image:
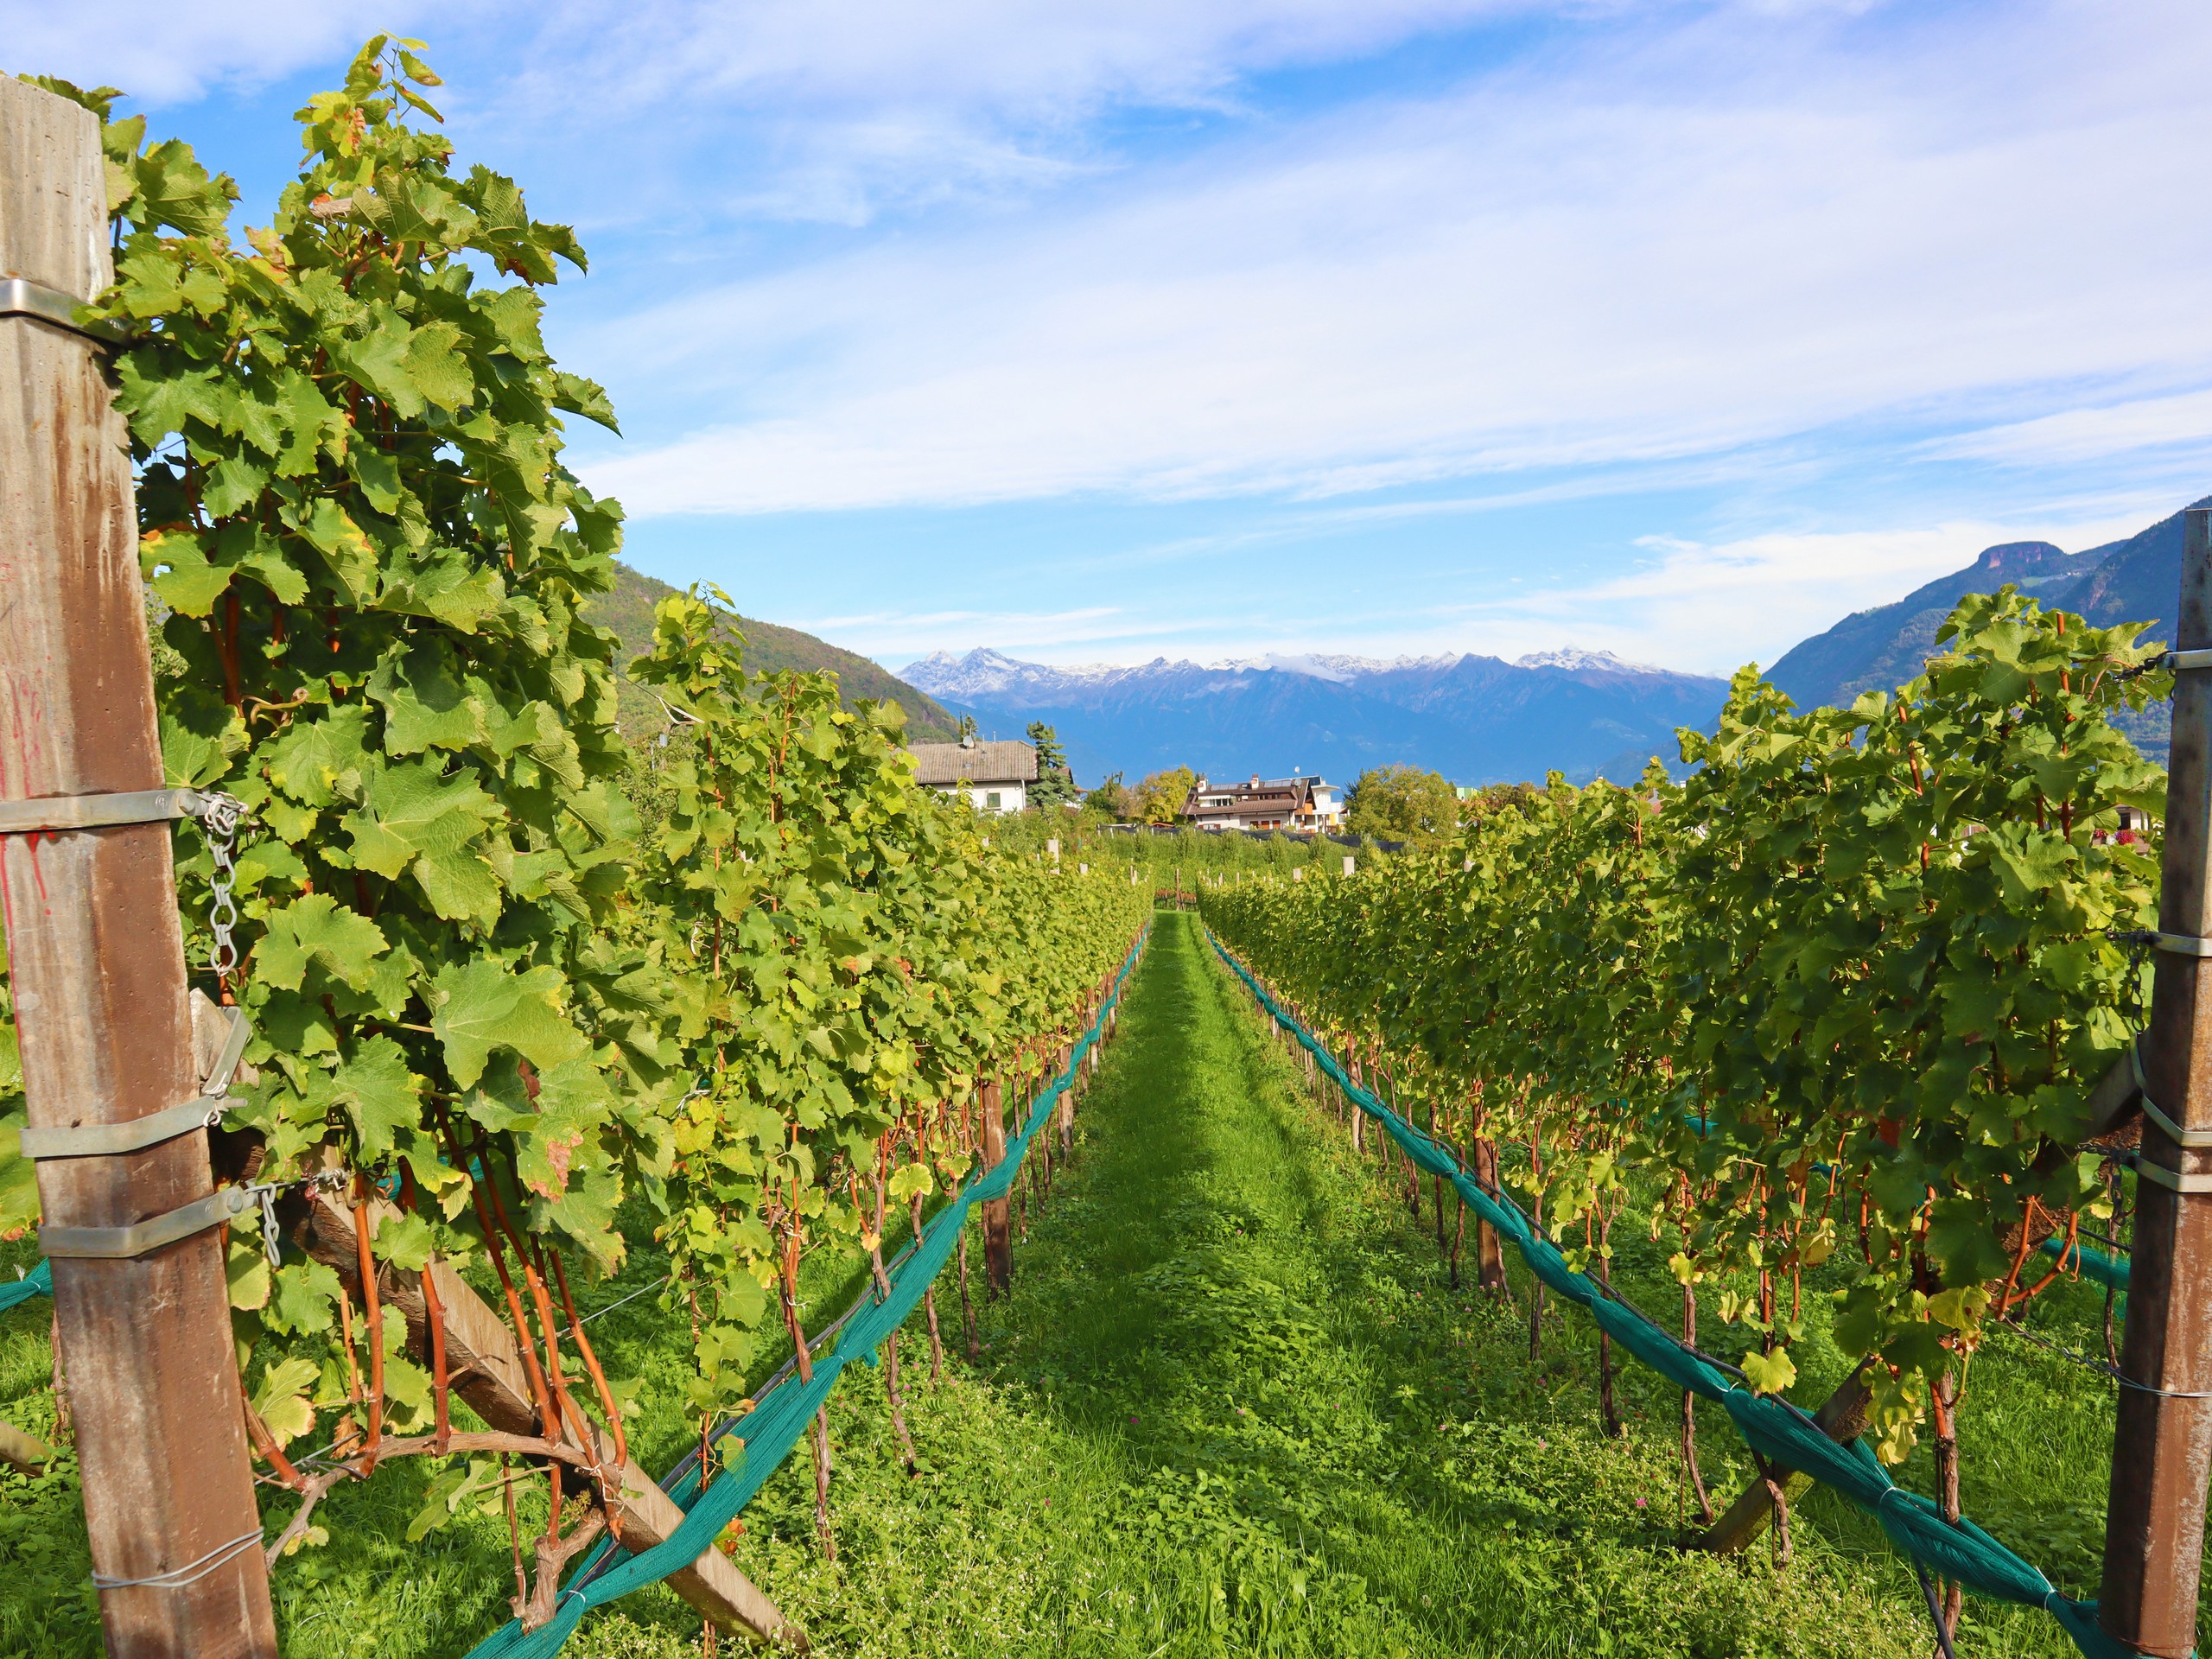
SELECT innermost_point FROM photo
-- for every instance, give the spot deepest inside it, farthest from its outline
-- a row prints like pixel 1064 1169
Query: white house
pixel 1295 803
pixel 994 776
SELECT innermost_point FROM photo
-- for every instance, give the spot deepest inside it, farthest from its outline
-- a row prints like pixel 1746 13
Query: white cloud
pixel 165 53
pixel 2079 435
pixel 1710 608
pixel 897 636
pixel 1693 607
pixel 1046 57
pixel 1591 265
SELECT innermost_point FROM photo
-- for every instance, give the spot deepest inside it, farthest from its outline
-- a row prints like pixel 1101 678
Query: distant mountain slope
pixel 768 648
pixel 2138 580
pixel 1880 648
pixel 2135 581
pixel 1475 719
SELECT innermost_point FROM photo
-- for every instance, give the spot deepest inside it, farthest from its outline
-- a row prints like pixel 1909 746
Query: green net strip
pixel 39 1281
pixel 1779 1432
pixel 764 1437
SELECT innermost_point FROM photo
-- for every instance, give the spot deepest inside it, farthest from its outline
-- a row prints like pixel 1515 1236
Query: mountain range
pixel 1483 720
pixel 1475 719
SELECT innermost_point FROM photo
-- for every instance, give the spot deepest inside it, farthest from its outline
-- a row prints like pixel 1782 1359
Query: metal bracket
pixel 205 1112
pixel 22 297
pixel 2193 1139
pixel 2180 660
pixel 118 1243
pixel 109 1140
pixel 57 812
pixel 2183 945
pixel 2172 1181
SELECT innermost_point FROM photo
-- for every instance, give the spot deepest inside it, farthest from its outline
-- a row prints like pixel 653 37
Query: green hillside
pixel 629 611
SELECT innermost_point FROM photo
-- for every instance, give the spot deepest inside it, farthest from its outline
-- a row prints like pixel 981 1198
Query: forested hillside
pixel 769 648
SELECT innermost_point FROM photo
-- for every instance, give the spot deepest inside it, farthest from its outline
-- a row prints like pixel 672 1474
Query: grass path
pixel 1232 1407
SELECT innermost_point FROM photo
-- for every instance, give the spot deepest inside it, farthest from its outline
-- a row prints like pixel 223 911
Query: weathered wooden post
pixel 2162 1448
pixel 97 953
pixel 1064 1116
pixel 998 1241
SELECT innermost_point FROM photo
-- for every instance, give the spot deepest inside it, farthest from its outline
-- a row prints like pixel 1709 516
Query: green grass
pixel 1233 1406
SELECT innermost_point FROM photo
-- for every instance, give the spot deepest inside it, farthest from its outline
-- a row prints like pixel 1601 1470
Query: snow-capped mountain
pixel 983 674
pixel 1475 719
pixel 1598 662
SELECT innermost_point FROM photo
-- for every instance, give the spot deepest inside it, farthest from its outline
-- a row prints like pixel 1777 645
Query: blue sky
pixel 1099 329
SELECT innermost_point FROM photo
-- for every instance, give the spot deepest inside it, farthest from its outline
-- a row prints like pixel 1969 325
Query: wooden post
pixel 1066 1115
pixel 95 948
pixel 998 1238
pixel 1842 1417
pixel 2162 1447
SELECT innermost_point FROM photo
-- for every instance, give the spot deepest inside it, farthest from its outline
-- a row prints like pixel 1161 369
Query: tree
pixel 1055 785
pixel 1402 803
pixel 1161 797
pixel 1494 798
pixel 1113 796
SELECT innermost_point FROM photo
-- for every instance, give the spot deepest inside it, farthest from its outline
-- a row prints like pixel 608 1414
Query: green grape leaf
pixel 479 1006
pixel 281 1399
pixel 406 1241
pixel 317 931
pixel 375 1089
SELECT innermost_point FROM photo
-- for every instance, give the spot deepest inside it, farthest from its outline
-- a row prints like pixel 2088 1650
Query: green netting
pixel 39 1281
pixel 1778 1431
pixel 764 1437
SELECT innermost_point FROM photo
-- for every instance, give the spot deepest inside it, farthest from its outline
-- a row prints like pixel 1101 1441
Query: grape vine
pixel 1843 993
pixel 502 1016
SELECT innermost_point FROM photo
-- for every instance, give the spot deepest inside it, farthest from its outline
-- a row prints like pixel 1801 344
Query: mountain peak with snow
pixel 1475 718
pixel 983 674
pixel 1603 662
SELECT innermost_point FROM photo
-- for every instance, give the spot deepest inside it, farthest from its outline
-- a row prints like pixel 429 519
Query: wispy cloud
pixel 2078 435
pixel 862 263
pixel 168 54
pixel 1590 266
pixel 1712 606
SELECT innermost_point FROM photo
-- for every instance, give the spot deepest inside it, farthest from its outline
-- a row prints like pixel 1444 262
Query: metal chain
pixel 221 816
pixel 271 1244
pixel 2151 664
pixel 2140 942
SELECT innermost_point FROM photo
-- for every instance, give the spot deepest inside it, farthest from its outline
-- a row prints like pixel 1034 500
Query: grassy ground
pixel 1233 1407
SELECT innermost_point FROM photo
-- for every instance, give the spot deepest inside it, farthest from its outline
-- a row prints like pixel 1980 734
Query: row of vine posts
pixel 2157 1092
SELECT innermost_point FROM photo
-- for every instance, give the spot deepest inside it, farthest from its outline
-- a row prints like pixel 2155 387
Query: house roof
pixel 1007 761
pixel 1291 795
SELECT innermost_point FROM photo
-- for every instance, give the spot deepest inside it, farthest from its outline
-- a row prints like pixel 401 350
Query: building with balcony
pixel 1302 805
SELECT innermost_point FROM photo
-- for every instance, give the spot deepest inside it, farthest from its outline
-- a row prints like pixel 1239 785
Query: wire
pixel 177 1577
pixel 2111 1373
pixel 647 1291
